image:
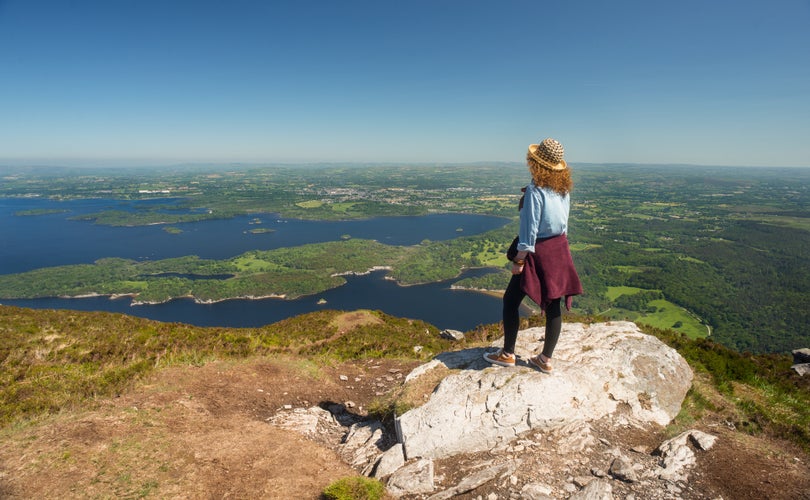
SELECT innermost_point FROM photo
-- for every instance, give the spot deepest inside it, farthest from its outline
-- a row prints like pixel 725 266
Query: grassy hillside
pixel 58 360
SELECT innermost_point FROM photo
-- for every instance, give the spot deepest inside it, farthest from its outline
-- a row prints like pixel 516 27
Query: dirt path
pixel 190 432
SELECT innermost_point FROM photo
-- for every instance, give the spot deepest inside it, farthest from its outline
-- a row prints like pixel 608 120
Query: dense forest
pixel 730 245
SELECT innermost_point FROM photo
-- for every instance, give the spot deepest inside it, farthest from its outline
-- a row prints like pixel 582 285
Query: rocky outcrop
pixel 599 370
pixel 677 455
pixel 544 436
pixel 801 361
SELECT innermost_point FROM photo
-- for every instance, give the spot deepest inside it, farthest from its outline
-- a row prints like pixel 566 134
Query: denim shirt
pixel 544 214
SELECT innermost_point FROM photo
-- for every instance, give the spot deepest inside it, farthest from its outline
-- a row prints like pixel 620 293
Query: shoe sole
pixel 537 365
pixel 496 362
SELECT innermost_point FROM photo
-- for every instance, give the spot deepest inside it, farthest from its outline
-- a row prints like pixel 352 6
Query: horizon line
pixel 116 164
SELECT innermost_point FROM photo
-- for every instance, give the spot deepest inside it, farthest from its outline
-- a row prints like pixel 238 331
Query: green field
pixel 666 315
pixel 614 292
pixel 672 316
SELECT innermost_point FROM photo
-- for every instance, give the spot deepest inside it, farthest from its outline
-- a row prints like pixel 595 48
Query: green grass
pixel 580 247
pixel 628 269
pixel 669 315
pixel 614 292
pixel 342 208
pixel 56 360
pixel 355 488
pixel 802 223
pixel 252 264
pixel 766 394
pixel 310 204
pixel 666 315
pixel 691 259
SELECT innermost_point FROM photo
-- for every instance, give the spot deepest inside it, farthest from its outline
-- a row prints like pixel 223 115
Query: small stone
pixel 597 489
pixel 412 479
pixel 622 469
pixel 417 349
pixel 802 369
pixel 452 335
pixel 349 404
pixel 533 491
pixel 801 356
pixel 702 440
pixel 344 378
pixel 390 461
pixel 583 481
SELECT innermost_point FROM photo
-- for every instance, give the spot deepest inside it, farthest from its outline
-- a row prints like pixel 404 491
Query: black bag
pixel 511 253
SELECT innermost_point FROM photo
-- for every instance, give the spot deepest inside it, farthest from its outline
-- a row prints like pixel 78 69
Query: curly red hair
pixel 556 180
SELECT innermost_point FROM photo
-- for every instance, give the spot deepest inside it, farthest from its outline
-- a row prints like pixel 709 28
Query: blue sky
pixel 146 81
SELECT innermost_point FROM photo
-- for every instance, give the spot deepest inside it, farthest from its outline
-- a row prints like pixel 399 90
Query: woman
pixel 542 268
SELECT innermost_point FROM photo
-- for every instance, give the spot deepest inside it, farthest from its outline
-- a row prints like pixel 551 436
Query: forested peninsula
pixel 283 273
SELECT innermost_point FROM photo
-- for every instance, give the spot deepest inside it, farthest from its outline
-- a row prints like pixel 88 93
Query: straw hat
pixel 548 154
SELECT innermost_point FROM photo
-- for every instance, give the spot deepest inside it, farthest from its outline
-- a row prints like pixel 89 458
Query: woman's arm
pixel 530 216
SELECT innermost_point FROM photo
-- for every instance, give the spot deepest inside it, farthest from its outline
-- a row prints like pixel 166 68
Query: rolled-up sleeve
pixel 530 216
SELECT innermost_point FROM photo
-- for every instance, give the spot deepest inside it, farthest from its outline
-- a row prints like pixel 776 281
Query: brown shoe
pixel 500 358
pixel 543 366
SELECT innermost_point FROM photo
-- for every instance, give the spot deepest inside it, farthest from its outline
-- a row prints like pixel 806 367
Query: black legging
pixel 512 298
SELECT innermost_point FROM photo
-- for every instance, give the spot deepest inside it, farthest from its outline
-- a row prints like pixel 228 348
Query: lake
pixel 435 303
pixel 31 242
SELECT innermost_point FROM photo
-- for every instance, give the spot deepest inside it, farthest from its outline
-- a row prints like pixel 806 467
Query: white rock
pixel 412 479
pixel 390 461
pixel 536 491
pixel 676 455
pixel 598 368
pixel 452 334
pixel 702 440
pixel 622 469
pixel 362 444
pixel 306 421
pixel 599 489
pixel 802 369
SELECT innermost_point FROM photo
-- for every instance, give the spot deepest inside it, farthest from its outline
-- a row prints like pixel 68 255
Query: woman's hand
pixel 519 262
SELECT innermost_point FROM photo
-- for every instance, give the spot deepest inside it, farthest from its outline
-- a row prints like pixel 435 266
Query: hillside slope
pixel 108 405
